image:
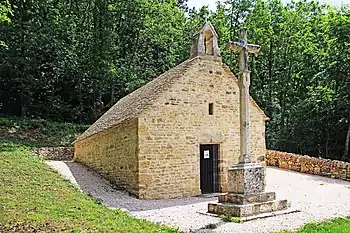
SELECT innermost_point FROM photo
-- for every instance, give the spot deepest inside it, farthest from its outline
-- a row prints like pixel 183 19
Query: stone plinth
pixel 246 178
pixel 246 193
pixel 248 198
pixel 246 210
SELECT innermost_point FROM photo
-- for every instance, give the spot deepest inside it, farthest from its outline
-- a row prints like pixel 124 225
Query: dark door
pixel 209 168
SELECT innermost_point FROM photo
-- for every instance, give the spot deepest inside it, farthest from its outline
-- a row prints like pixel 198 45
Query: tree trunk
pixel 80 99
pixel 270 70
pixel 347 141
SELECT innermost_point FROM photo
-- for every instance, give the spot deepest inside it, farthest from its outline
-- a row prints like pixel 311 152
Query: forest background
pixel 71 60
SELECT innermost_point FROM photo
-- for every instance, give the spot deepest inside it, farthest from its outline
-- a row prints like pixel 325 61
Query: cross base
pixel 243 199
pixel 246 193
pixel 245 210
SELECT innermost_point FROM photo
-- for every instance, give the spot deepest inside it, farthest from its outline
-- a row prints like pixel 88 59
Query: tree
pixel 71 60
pixel 5 10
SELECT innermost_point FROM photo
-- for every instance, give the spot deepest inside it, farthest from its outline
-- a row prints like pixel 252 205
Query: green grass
pixel 39 133
pixel 34 197
pixel 338 225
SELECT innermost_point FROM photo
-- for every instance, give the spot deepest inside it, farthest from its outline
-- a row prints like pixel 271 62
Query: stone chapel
pixel 177 135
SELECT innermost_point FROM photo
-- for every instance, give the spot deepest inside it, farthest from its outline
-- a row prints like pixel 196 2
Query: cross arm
pixel 238 46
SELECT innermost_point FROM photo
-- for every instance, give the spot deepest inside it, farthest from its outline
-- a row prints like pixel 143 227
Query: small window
pixel 211 109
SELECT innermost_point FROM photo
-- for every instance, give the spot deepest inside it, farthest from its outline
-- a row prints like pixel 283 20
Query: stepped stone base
pixel 246 193
pixel 247 198
pixel 245 210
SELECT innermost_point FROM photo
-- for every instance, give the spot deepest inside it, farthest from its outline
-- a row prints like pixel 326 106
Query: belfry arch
pixel 206 42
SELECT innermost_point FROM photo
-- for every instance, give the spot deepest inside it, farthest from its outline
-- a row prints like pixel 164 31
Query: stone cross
pixel 244 82
pixel 246 194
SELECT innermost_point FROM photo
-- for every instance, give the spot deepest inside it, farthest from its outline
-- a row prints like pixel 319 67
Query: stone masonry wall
pixel 311 165
pixel 113 154
pixel 55 153
pixel 172 129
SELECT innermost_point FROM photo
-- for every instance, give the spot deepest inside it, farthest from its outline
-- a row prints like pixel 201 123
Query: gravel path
pixel 100 189
pixel 317 197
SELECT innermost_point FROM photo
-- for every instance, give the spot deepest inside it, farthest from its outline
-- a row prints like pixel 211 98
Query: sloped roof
pixel 133 104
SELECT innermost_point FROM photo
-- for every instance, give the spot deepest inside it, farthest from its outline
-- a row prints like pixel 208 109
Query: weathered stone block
pixel 246 178
pixel 284 165
pixel 248 198
pixel 238 210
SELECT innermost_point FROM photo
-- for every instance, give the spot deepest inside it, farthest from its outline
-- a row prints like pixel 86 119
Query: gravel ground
pixel 317 197
pixel 100 189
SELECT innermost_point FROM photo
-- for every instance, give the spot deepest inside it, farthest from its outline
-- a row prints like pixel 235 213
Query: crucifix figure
pixel 244 82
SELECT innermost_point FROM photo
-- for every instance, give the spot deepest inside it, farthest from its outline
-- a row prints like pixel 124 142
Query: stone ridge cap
pixel 131 105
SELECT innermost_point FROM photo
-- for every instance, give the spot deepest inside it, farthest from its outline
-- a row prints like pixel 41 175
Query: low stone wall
pixel 55 153
pixel 311 165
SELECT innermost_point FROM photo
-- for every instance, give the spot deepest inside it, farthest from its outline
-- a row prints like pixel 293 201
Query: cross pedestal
pixel 246 178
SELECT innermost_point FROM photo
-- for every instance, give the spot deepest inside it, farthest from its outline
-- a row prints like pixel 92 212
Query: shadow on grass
pixel 39 133
pixel 7 145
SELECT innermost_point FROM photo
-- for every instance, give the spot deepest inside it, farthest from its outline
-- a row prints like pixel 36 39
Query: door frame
pixel 216 171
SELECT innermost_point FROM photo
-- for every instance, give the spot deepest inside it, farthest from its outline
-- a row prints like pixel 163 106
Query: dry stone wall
pixel 311 165
pixel 55 153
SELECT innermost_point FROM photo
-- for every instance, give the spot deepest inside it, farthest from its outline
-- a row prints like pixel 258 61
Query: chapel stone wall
pixel 113 154
pixel 172 129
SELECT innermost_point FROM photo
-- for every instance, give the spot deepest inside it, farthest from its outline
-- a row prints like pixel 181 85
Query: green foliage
pixel 37 199
pixel 236 220
pixel 300 78
pixel 39 133
pixel 72 60
pixel 4 11
pixel 339 225
pixel 229 218
pixel 225 217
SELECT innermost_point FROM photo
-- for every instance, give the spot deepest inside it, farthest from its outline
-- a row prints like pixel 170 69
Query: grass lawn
pixel 34 198
pixel 39 133
pixel 339 225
